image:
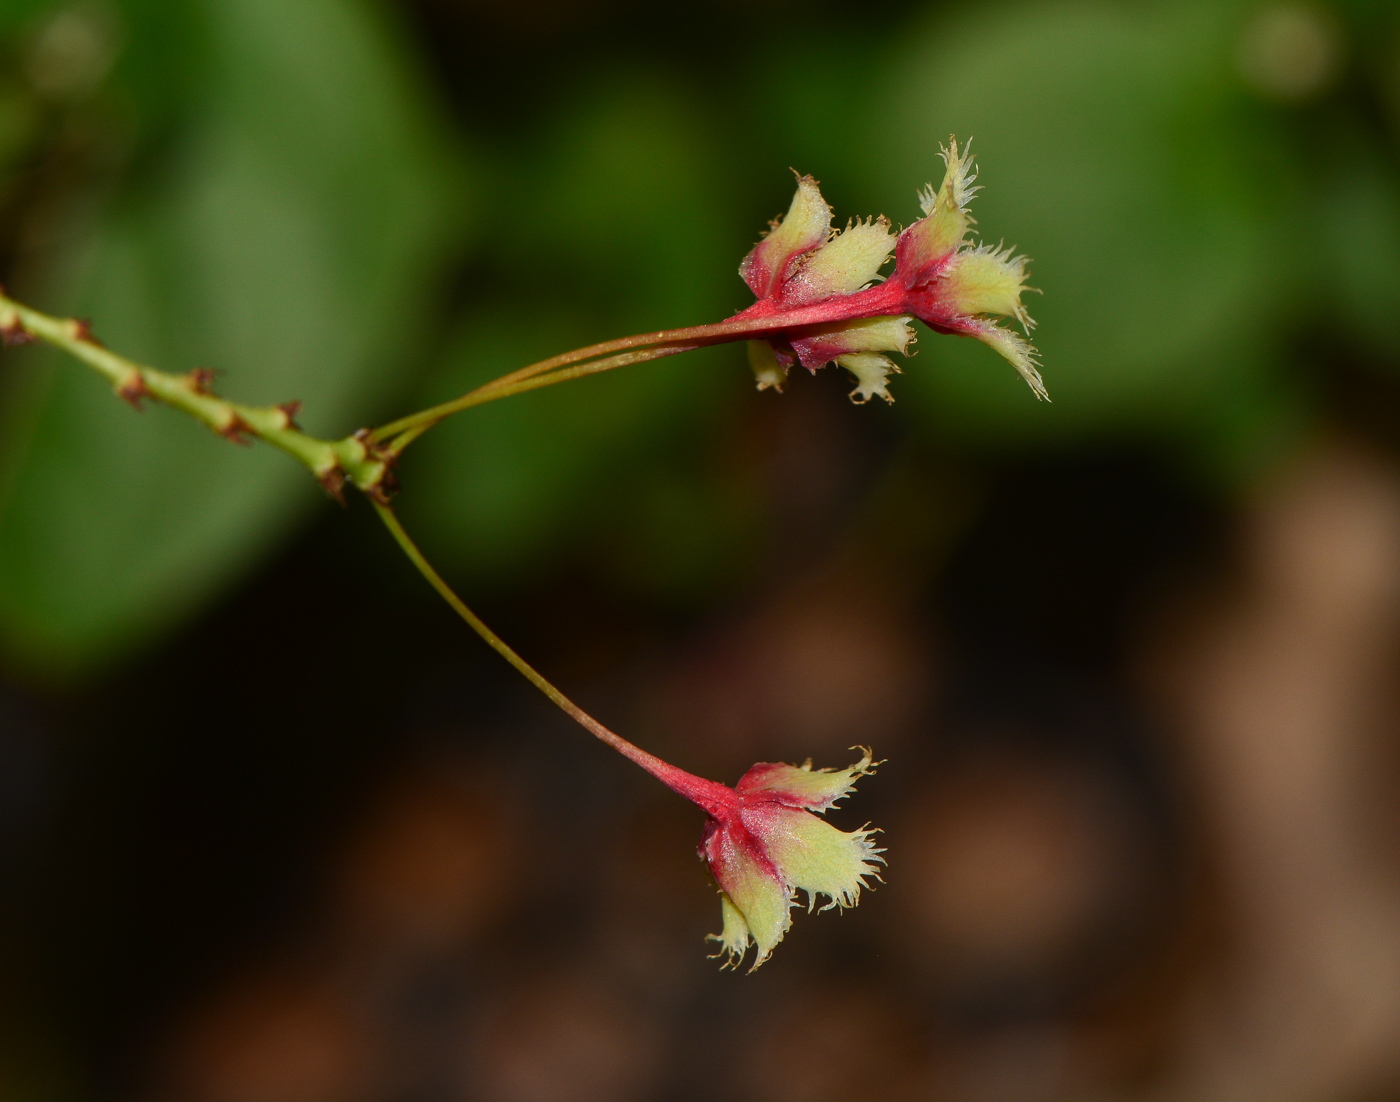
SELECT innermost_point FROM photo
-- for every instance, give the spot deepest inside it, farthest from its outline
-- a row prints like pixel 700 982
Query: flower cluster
pixel 827 302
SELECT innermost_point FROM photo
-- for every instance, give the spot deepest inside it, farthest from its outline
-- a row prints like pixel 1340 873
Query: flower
pixel 764 842
pixel 826 302
pixel 770 845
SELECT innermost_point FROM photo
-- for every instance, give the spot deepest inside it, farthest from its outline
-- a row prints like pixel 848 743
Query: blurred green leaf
pixel 17 15
pixel 1359 250
pixel 289 239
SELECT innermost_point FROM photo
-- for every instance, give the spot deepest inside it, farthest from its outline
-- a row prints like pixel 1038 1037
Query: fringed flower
pixel 952 285
pixel 827 302
pixel 773 845
pixel 764 841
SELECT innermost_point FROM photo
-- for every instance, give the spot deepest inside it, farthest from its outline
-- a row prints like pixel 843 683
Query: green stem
pixel 355 458
pixel 693 337
pixel 605 357
pixel 404 431
pixel 647 761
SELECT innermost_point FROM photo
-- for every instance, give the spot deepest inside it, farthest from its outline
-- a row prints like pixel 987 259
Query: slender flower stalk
pixel 698 790
pixel 399 434
pixel 819 299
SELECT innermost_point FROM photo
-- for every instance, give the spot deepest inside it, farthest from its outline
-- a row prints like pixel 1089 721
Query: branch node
pixel 364 438
pixel 81 330
pixel 383 489
pixel 385 484
pixel 132 389
pixel 332 480
pixel 373 448
pixel 200 380
pixel 15 334
pixel 289 411
pixel 235 430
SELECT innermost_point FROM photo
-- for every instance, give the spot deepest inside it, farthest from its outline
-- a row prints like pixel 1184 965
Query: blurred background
pixel 274 827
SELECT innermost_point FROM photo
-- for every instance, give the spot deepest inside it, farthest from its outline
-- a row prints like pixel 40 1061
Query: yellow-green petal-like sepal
pixel 766 368
pixel 740 865
pixel 805 227
pixel 870 335
pixel 871 372
pixel 946 225
pixel 734 937
pixel 1018 351
pixel 813 855
pixel 987 280
pixel 803 786
pixel 854 345
pixel 848 262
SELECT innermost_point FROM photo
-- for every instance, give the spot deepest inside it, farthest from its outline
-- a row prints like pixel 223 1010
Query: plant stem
pixel 759 320
pixel 399 434
pixel 332 461
pixel 709 795
pixel 366 458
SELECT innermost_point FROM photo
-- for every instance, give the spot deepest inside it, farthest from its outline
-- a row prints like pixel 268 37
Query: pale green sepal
pixel 871 371
pixel 875 335
pixel 761 900
pixel 847 263
pixel 807 222
pixel 817 789
pixel 766 368
pixel 805 227
pixel 987 280
pixel 957 190
pixel 814 856
pixel 734 937
pixel 1018 351
pixel 947 221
